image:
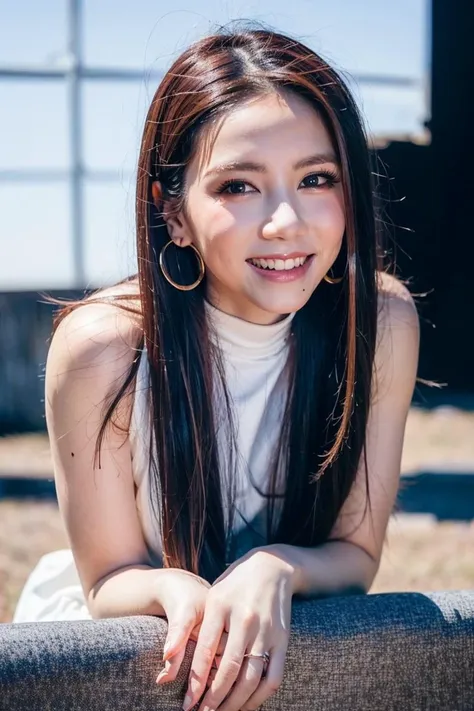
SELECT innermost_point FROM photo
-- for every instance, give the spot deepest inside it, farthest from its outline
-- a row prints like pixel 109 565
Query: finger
pixel 229 668
pixel 211 677
pixel 210 634
pixel 220 650
pixel 180 626
pixel 270 683
pixel 222 644
pixel 195 631
pixel 217 661
pixel 247 683
pixel 179 630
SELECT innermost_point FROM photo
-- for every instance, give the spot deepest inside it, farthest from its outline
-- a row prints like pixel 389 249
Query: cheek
pixel 328 216
pixel 220 236
pixel 329 224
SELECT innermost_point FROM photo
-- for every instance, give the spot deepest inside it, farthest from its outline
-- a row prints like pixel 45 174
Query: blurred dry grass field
pixel 419 553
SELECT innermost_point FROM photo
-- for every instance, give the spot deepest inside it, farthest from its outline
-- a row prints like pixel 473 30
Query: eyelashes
pixel 331 179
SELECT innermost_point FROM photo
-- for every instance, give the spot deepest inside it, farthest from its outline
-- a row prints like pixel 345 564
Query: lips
pixel 278 274
pixel 281 255
pixel 278 264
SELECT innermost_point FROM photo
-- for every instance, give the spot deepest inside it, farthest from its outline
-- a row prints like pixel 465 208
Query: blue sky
pixel 356 36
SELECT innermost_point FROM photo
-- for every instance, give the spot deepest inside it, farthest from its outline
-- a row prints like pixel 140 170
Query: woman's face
pixel 290 216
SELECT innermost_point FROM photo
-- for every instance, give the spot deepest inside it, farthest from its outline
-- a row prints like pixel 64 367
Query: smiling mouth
pixel 279 264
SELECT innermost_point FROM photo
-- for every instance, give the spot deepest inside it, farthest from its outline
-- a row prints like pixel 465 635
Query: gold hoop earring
pixel 333 280
pixel 182 287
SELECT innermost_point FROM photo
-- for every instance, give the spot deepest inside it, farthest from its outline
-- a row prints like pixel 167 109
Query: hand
pixel 183 597
pixel 251 602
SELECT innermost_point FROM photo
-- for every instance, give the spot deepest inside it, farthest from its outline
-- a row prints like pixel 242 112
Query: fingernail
pixel 187 702
pixel 161 676
pixel 163 672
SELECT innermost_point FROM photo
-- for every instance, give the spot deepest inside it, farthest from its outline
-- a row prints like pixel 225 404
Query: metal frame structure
pixel 74 72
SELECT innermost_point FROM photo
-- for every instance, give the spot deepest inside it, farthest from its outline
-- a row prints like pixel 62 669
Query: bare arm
pixel 351 557
pixel 89 356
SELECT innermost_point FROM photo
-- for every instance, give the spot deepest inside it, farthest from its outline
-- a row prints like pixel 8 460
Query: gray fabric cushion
pixel 360 652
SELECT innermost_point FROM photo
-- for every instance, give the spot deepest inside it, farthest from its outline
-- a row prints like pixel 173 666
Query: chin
pixel 278 307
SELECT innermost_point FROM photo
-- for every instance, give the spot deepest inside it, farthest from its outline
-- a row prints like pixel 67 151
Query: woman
pixel 227 425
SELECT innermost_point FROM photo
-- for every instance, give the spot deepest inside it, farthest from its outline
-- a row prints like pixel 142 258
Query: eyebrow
pixel 316 159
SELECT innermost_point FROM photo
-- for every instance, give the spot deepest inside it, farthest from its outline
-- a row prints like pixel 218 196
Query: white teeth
pixel 279 264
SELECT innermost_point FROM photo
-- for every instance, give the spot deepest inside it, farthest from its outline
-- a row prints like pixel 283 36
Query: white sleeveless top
pixel 254 357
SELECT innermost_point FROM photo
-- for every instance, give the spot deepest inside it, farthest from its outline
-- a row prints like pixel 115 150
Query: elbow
pixel 94 613
pixel 366 566
pixel 369 570
pixel 92 602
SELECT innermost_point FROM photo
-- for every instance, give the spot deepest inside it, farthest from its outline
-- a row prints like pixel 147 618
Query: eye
pixel 330 179
pixel 224 188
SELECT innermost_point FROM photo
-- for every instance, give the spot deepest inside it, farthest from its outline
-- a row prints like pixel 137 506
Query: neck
pixel 256 316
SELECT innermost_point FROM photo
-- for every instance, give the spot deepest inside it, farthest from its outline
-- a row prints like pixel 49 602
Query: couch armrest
pixel 390 651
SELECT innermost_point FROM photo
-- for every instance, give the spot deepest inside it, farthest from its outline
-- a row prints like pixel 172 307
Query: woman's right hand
pixel 183 597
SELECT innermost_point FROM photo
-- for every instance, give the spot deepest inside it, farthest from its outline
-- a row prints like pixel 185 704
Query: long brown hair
pixel 333 335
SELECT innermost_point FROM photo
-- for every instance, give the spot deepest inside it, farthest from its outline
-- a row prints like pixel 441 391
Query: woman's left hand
pixel 251 601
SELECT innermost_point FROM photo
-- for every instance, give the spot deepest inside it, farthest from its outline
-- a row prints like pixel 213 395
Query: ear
pixel 177 227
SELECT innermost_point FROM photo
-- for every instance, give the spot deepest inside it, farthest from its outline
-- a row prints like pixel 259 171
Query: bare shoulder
pixel 398 335
pixel 97 326
pixel 396 306
pixel 92 348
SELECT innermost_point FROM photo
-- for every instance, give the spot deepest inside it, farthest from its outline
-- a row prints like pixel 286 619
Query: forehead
pixel 281 123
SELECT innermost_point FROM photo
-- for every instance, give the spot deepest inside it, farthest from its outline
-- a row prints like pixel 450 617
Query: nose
pixel 284 223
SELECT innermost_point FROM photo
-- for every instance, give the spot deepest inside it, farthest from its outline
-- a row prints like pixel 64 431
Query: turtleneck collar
pixel 244 338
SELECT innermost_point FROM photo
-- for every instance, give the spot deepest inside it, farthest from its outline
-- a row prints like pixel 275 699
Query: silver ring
pixel 265 656
pixel 266 660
